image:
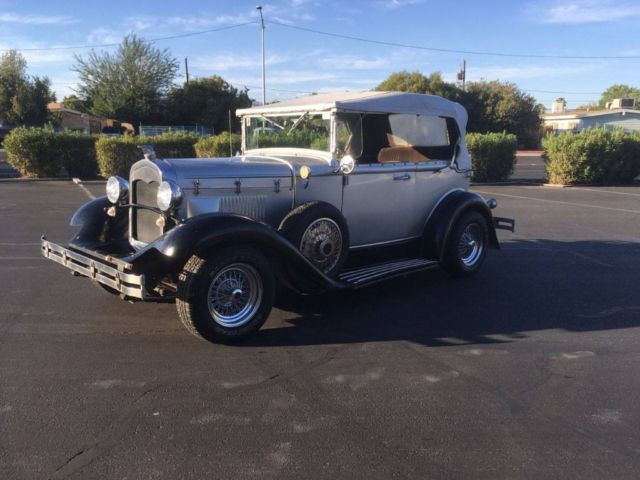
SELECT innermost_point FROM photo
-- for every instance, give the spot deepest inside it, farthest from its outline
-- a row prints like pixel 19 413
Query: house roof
pixel 367 102
pixel 588 113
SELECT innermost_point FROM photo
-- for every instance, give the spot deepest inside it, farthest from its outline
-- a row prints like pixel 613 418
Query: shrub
pixel 78 154
pixel 595 155
pixel 41 152
pixel 493 155
pixel 217 145
pixel 117 154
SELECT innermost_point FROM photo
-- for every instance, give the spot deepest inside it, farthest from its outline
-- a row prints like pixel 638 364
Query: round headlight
pixel 117 188
pixel 169 195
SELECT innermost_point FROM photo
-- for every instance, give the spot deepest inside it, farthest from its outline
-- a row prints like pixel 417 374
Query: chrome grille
pixel 144 221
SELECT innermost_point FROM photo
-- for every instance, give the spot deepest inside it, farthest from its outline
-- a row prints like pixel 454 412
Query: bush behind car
pixel 42 152
pixel 493 155
pixel 595 156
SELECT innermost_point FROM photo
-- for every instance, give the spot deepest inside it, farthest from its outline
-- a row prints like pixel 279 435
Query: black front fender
pixel 97 229
pixel 442 220
pixel 207 233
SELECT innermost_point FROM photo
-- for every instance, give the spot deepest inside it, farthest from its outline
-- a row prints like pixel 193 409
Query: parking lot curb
pixel 29 180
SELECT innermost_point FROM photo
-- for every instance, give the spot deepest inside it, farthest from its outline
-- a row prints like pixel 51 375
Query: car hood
pixel 186 170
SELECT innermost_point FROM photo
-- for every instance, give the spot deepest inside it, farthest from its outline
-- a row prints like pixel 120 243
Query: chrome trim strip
pixel 385 270
pixel 385 243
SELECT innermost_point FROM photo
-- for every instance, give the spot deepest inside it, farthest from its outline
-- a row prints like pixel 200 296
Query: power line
pixel 566 93
pixel 107 45
pixel 449 50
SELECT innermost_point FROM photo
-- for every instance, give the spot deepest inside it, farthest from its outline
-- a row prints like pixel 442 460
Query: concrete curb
pixel 30 180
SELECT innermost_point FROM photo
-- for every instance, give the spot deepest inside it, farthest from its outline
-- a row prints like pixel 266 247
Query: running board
pixel 359 277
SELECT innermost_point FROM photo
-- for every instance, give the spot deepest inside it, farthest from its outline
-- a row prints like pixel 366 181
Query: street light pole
pixel 264 91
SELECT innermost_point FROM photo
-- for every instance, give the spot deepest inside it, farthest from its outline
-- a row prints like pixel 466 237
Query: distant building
pixel 74 120
pixel 617 115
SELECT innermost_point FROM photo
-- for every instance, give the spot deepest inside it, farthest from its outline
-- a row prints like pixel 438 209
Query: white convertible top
pixel 367 102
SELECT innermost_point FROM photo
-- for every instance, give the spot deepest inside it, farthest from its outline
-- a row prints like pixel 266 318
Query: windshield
pixel 304 130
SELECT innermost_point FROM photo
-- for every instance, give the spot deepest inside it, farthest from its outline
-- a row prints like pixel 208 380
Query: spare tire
pixel 320 232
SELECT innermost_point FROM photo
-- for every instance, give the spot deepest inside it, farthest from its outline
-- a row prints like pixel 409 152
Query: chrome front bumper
pixel 107 273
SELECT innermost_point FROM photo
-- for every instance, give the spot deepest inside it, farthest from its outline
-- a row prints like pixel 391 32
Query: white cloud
pixel 352 62
pixel 35 19
pixel 584 11
pixel 395 4
pixel 225 62
pixel 100 36
pixel 516 72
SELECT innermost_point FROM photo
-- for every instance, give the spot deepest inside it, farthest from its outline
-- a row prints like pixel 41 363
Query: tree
pixel 73 102
pixel 129 84
pixel 492 106
pixel 23 99
pixel 502 107
pixel 416 82
pixel 563 101
pixel 620 91
pixel 206 101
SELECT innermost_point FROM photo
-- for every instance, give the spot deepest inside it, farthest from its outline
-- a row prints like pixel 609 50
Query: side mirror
pixel 347 164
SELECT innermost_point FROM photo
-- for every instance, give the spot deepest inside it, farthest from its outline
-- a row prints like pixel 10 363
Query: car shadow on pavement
pixel 527 286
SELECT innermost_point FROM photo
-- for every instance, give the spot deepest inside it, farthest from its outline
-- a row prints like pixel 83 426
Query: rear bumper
pixel 109 273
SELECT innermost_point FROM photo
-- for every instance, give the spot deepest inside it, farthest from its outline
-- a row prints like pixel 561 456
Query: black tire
pixel 322 253
pixel 467 245
pixel 204 280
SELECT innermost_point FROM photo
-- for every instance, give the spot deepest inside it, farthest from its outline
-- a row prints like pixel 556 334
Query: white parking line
pixel 86 190
pixel 571 204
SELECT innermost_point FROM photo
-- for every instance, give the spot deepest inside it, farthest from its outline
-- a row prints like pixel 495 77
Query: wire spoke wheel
pixel 321 243
pixel 234 295
pixel 471 244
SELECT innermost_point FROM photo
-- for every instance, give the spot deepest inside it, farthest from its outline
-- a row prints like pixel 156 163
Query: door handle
pixel 405 176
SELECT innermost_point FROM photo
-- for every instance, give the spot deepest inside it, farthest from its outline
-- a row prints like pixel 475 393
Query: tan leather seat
pixel 400 155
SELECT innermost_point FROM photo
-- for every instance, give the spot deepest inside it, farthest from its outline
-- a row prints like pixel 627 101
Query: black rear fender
pixel 442 220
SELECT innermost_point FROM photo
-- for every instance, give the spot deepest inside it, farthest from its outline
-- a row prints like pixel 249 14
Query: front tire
pixel 226 296
pixel 467 245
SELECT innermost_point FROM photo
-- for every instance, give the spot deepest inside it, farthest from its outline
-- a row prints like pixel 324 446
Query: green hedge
pixel 217 145
pixel 117 154
pixel 493 155
pixel 42 152
pixel 595 155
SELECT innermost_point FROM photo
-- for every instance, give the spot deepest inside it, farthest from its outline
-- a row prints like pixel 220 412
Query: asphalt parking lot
pixel 528 370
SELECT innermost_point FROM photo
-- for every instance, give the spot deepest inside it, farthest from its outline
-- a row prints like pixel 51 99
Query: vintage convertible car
pixel 330 191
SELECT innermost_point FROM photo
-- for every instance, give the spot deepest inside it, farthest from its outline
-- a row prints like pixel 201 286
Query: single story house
pixel 576 120
pixel 74 120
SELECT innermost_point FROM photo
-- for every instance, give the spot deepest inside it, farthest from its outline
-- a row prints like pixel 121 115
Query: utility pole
pixel 186 69
pixel 264 91
pixel 462 74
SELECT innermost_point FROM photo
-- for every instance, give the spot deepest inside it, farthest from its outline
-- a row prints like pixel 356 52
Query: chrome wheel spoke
pixel 321 243
pixel 471 245
pixel 234 295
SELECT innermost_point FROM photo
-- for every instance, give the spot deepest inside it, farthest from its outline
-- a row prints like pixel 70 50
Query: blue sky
pixel 300 61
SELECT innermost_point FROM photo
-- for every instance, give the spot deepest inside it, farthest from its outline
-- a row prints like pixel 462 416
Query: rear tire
pixel 321 234
pixel 226 296
pixel 467 245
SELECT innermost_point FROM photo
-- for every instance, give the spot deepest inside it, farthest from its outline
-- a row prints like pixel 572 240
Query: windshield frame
pixel 297 117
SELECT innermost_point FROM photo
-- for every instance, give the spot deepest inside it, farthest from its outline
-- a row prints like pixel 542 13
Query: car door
pixel 377 203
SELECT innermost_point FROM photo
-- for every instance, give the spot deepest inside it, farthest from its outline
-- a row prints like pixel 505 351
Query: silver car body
pixel 383 203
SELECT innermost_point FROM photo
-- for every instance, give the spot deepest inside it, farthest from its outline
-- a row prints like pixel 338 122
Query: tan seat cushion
pixel 400 155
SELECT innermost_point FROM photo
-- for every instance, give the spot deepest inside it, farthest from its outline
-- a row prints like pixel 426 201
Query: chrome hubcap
pixel 470 246
pixel 234 295
pixel 321 244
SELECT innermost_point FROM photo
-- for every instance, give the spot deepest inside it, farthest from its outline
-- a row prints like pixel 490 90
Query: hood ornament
pixel 148 151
